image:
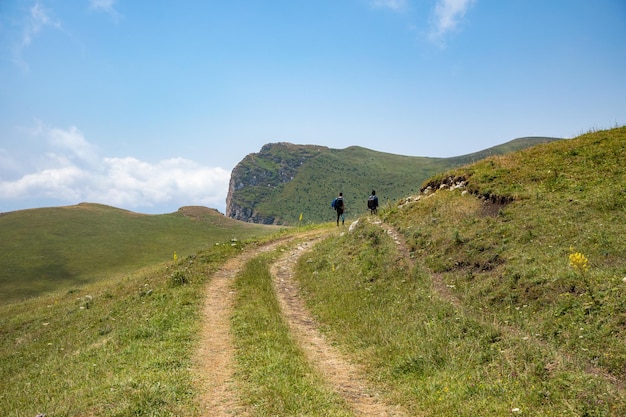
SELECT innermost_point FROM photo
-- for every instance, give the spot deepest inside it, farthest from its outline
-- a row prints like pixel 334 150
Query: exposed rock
pixel 259 174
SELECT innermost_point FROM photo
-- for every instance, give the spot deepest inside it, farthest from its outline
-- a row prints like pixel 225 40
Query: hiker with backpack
pixel 372 203
pixel 338 205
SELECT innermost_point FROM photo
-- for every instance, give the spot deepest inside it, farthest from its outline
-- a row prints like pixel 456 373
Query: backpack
pixel 371 202
pixel 338 203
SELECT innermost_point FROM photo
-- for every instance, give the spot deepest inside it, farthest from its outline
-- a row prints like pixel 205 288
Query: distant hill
pixel 283 180
pixel 60 247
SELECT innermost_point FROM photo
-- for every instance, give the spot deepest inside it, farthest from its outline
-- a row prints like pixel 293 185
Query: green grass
pixel 570 194
pixel 65 247
pixel 530 331
pixel 276 378
pixel 116 348
pixel 517 328
pixel 434 358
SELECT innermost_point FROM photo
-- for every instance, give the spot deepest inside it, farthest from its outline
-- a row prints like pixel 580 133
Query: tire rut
pixel 345 377
pixel 214 359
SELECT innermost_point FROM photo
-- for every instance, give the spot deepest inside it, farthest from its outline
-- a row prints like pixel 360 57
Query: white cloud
pixel 447 16
pixel 72 171
pixel 106 6
pixel 395 5
pixel 37 20
pixel 130 182
pixel 73 141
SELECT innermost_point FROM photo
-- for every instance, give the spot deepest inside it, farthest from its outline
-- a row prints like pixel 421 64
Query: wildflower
pixel 175 257
pixel 578 261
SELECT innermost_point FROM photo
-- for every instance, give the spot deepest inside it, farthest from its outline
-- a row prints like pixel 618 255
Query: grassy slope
pixel 61 247
pixel 528 331
pixel 355 171
pixel 568 196
pixel 120 347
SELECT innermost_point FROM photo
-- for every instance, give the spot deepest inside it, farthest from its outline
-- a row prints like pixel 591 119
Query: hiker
pixel 339 207
pixel 372 203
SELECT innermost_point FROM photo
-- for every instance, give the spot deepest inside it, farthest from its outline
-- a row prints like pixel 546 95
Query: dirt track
pixel 344 376
pixel 214 362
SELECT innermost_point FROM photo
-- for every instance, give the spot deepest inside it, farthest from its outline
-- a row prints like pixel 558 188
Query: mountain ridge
pixel 284 180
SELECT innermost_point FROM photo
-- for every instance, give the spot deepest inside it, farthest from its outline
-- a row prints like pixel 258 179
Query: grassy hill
pixel 284 180
pixel 518 297
pixel 54 248
pixel 509 300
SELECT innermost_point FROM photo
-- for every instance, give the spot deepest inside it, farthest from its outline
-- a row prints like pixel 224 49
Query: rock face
pixel 257 176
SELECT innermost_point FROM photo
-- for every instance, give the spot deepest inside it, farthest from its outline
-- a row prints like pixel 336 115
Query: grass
pixel 65 247
pixel 115 348
pixel 491 314
pixel 276 378
pixel 567 195
pixel 528 330
pixel 435 358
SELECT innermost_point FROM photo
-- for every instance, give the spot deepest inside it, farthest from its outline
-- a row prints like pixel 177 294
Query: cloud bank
pixel 71 170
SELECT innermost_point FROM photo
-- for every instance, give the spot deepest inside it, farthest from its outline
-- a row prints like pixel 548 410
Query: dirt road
pixel 214 362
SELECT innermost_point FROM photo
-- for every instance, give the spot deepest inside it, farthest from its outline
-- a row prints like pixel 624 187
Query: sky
pixel 149 105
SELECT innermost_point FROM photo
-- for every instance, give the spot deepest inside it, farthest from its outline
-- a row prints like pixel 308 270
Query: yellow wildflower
pixel 578 261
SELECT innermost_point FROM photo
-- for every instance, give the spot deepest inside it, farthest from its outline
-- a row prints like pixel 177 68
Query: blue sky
pixel 149 105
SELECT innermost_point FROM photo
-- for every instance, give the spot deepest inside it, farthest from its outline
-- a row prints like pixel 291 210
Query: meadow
pixel 56 248
pixel 500 289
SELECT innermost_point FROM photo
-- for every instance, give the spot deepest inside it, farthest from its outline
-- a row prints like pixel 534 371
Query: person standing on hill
pixel 372 203
pixel 339 207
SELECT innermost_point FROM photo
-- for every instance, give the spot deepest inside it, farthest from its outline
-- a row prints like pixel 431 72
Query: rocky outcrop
pixel 257 176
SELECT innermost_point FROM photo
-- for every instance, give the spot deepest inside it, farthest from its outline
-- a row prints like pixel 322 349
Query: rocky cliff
pixel 259 175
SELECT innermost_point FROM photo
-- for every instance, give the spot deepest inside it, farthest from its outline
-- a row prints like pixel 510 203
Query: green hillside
pixel 499 290
pixel 284 180
pixel 61 247
pixel 518 296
